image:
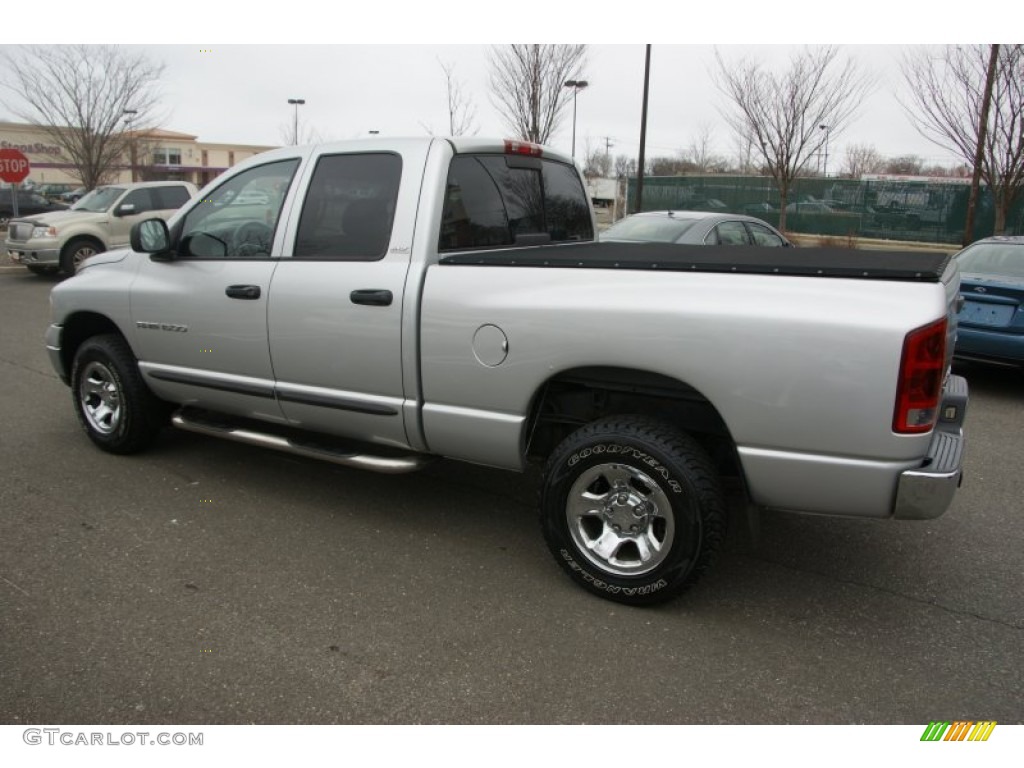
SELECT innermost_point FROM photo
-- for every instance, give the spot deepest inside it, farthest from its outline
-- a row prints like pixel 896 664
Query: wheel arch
pixel 573 397
pixel 86 237
pixel 80 326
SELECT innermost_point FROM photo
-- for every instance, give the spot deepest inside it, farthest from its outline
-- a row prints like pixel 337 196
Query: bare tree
pixel 744 148
pixel 624 166
pixel 700 153
pixel 79 96
pixel 955 171
pixel 781 114
pixel 947 90
pixel 861 159
pixel 461 113
pixel 667 165
pixel 597 163
pixel 904 165
pixel 295 132
pixel 528 86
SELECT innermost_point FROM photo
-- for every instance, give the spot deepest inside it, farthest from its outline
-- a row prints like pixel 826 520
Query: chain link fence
pixel 890 209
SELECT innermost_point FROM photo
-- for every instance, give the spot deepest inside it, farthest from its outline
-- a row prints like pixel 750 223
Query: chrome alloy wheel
pixel 101 398
pixel 82 253
pixel 620 519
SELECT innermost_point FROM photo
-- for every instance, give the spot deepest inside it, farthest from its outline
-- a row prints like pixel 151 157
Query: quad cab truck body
pixel 382 303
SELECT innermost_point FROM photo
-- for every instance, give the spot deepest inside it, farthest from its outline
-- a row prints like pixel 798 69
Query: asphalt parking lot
pixel 210 582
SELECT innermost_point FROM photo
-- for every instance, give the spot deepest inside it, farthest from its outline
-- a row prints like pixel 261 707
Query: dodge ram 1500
pixel 384 302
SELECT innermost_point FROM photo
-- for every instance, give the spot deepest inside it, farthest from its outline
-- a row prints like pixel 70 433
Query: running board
pixel 389 465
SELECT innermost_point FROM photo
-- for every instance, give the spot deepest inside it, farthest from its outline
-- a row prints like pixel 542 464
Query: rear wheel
pixel 113 404
pixel 77 251
pixel 632 509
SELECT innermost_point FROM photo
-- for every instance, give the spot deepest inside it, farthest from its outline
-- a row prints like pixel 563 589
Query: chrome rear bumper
pixel 926 492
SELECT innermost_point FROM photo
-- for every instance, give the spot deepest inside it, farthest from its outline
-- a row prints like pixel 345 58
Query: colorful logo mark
pixel 958 730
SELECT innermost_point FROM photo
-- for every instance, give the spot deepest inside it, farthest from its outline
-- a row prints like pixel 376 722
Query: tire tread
pixel 145 413
pixel 683 450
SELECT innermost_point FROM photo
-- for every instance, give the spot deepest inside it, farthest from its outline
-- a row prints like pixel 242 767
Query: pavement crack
pixel 28 368
pixel 883 590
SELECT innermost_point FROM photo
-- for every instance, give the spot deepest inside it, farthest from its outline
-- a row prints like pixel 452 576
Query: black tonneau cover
pixel 758 260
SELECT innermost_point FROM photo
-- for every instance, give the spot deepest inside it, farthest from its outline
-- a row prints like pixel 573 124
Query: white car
pixel 694 228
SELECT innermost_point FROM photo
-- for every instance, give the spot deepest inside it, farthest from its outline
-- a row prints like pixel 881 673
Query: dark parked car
pixel 759 209
pixel 74 195
pixel 695 228
pixel 812 206
pixel 990 326
pixel 54 191
pixel 29 204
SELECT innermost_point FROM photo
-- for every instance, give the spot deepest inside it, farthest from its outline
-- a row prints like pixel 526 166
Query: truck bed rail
pixel 807 262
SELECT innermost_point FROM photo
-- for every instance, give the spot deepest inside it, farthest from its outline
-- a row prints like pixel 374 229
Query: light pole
pixel 826 129
pixel 296 103
pixel 577 86
pixel 129 117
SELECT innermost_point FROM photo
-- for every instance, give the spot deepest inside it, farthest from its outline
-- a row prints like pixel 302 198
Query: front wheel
pixel 113 404
pixel 38 269
pixel 632 509
pixel 76 252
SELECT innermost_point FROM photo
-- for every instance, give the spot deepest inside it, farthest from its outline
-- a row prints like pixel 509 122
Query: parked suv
pixel 101 220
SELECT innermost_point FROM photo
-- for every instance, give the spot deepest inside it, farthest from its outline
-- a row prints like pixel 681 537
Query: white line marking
pixel 16 587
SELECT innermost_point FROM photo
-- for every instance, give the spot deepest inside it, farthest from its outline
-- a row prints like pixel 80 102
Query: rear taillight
pixel 513 147
pixel 920 383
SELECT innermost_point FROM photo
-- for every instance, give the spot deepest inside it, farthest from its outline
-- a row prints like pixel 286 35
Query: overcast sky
pixel 240 92
pixel 359 71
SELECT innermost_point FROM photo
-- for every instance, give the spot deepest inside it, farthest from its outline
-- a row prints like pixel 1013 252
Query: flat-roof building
pixel 155 155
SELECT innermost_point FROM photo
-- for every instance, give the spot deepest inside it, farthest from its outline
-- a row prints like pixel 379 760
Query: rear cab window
pixel 501 201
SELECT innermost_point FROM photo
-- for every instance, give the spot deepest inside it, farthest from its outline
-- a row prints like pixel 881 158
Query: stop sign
pixel 13 166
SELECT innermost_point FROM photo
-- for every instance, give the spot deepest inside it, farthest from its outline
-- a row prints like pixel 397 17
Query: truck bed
pixel 813 262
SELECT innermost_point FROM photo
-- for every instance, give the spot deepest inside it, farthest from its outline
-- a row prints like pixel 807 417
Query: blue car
pixel 990 326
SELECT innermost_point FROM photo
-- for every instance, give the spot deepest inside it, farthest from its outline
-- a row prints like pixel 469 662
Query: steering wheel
pixel 252 239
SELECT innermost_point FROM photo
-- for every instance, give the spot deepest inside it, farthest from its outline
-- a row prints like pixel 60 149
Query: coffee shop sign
pixel 33 149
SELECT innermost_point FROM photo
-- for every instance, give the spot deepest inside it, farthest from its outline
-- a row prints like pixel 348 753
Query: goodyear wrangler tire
pixel 632 509
pixel 113 404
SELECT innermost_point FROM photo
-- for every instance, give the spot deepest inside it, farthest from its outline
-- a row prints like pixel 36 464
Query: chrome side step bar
pixel 396 465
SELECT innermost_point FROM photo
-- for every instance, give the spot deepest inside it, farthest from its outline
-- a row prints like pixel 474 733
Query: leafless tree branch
pixel 78 95
pixel 528 86
pixel 947 88
pixel 861 159
pixel 780 114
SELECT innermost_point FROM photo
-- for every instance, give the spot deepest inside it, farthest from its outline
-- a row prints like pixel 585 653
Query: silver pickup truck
pixel 382 303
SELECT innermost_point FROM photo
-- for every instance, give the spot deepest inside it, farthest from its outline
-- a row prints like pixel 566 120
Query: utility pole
pixel 986 102
pixel 643 134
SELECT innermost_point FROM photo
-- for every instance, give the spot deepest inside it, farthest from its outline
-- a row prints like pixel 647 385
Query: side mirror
pixel 127 209
pixel 152 236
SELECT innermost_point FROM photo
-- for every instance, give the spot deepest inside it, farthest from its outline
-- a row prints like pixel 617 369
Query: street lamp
pixel 296 103
pixel 577 86
pixel 130 116
pixel 826 129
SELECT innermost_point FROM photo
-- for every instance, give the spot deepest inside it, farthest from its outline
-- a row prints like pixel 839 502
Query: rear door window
pixel 170 198
pixel 764 236
pixel 350 207
pixel 728 233
pixel 141 199
pixel 498 200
